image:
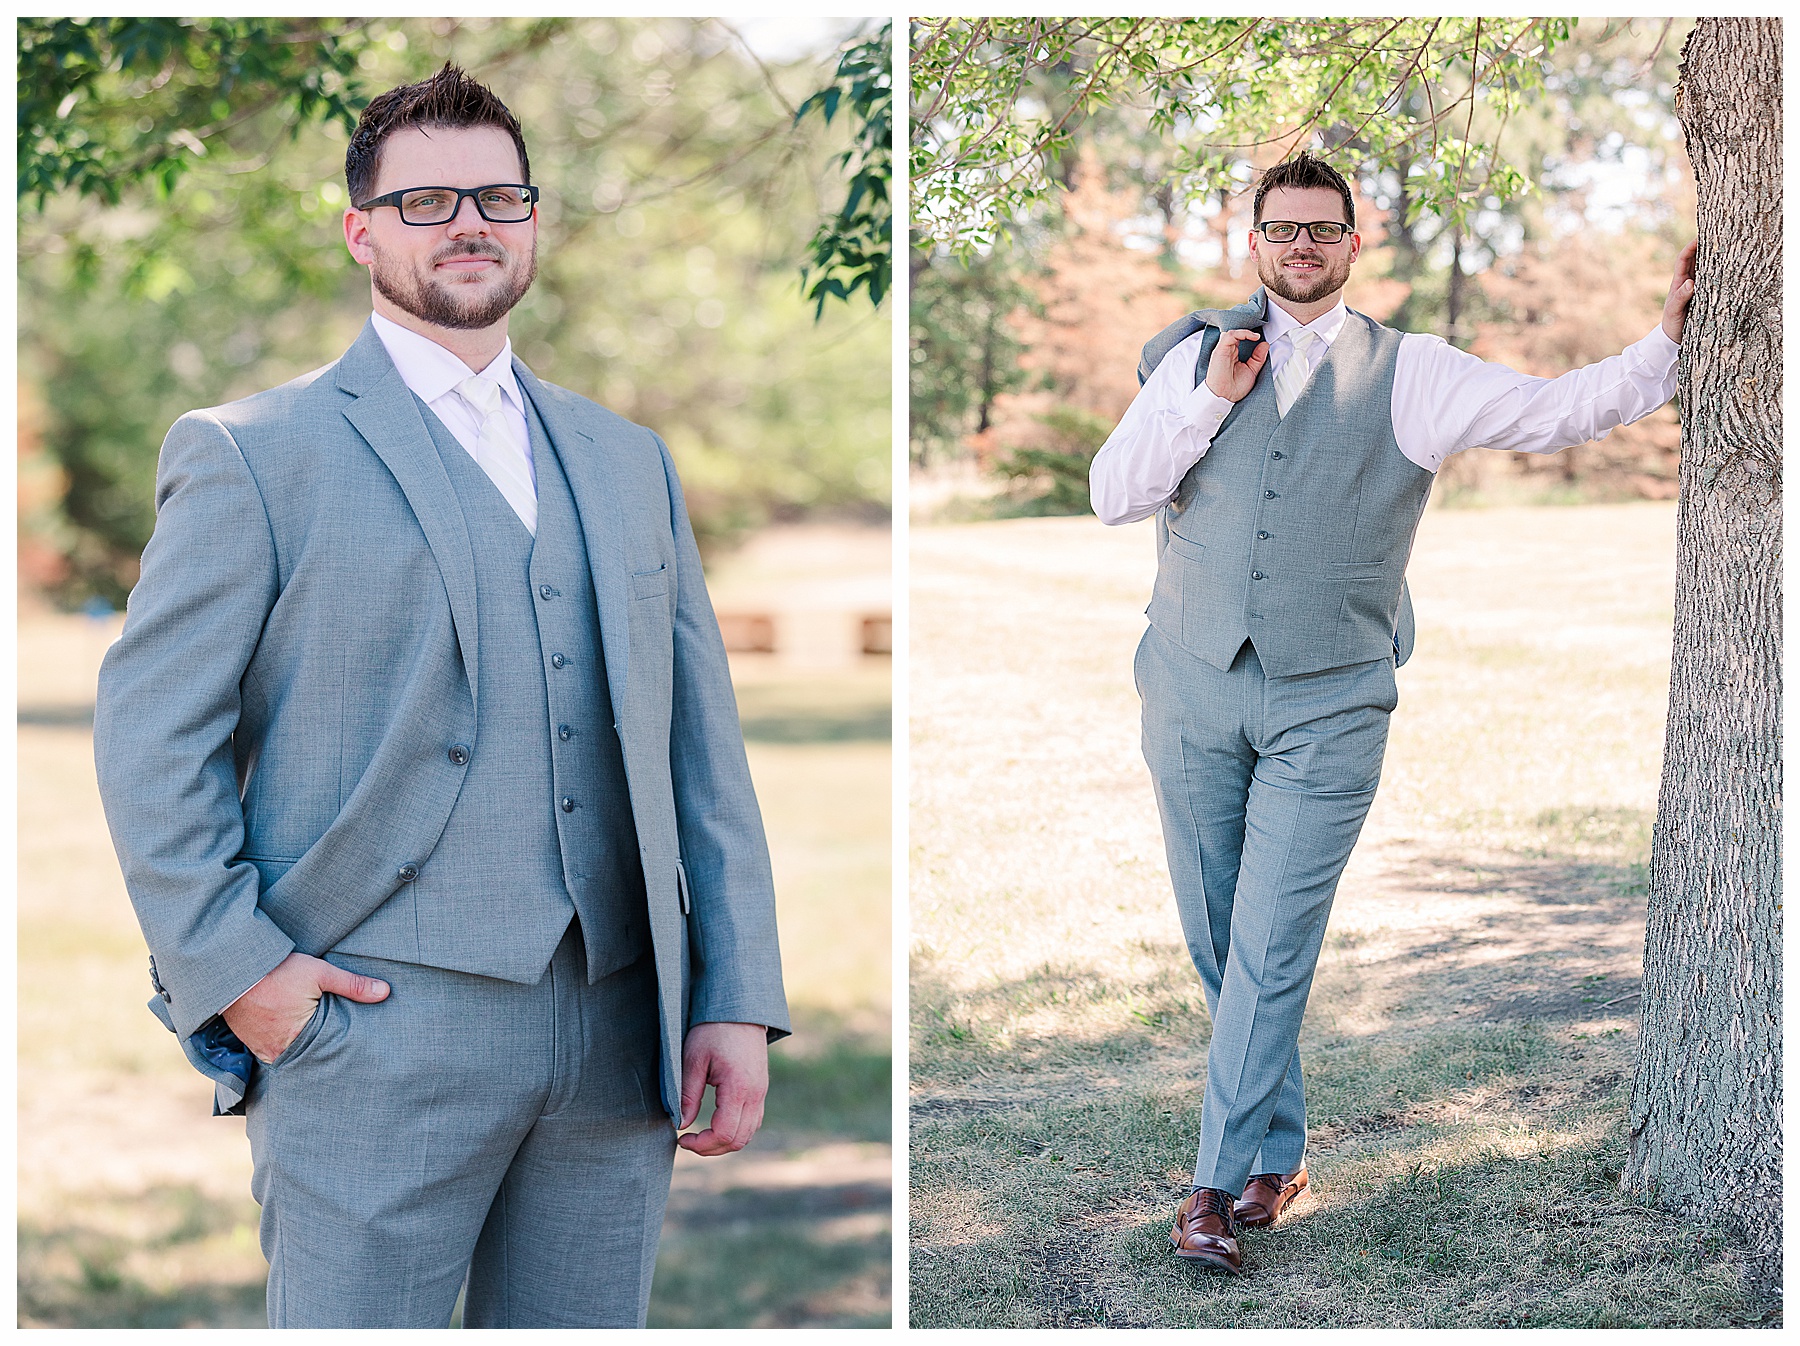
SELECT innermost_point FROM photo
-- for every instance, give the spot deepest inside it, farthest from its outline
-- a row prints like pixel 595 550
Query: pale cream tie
pixel 1295 371
pixel 498 450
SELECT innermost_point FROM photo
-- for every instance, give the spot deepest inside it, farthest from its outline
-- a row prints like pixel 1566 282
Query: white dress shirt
pixel 433 372
pixel 1445 401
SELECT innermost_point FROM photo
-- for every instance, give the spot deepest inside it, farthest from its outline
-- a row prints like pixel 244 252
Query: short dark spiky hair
pixel 449 98
pixel 1304 171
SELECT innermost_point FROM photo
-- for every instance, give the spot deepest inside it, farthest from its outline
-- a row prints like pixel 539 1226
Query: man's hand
pixel 734 1059
pixel 269 1016
pixel 1230 377
pixel 1681 293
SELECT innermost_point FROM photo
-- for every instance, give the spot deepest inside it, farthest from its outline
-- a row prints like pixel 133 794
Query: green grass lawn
pixel 1470 1036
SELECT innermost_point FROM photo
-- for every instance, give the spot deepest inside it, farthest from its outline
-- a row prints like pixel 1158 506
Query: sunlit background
pixel 680 193
pixel 1023 356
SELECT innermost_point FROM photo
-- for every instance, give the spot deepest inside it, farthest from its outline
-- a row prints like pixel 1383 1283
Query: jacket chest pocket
pixel 650 583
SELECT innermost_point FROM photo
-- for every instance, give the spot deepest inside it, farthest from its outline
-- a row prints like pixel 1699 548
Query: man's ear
pixel 356 236
pixel 1355 245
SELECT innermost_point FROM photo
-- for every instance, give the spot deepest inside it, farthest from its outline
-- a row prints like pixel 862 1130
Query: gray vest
pixel 1293 532
pixel 542 827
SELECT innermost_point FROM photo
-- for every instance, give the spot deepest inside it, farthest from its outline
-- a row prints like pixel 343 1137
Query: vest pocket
pixel 1360 570
pixel 1179 570
pixel 1193 551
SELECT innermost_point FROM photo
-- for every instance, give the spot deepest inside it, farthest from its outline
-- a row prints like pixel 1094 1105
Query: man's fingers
pixel 350 985
pixel 727 1118
pixel 694 1069
pixel 708 1143
pixel 1234 337
pixel 1684 270
pixel 690 1098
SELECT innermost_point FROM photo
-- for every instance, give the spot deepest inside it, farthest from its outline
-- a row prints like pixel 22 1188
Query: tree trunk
pixel 1706 1103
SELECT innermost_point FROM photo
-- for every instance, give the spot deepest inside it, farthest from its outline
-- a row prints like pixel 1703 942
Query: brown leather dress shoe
pixel 1204 1231
pixel 1267 1196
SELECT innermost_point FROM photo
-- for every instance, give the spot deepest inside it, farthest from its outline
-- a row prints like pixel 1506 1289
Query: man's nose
pixel 467 220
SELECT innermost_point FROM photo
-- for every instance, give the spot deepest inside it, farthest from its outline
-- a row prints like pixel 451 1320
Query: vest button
pixel 1277 454
pixel 564 732
pixel 1256 574
pixel 546 592
pixel 568 805
pixel 408 873
pixel 1263 536
pixel 459 754
pixel 557 661
pixel 1268 495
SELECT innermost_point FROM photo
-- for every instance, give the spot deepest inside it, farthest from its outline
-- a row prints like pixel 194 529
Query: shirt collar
pixel 431 371
pixel 1278 322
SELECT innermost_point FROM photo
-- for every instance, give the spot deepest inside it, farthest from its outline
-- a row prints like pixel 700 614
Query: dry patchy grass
pixel 1470 1036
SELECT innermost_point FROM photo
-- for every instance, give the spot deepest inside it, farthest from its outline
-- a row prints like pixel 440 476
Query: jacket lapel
pixel 592 476
pixel 386 415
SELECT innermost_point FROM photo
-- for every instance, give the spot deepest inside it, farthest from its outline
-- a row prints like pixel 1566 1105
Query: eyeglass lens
pixel 434 205
pixel 1286 231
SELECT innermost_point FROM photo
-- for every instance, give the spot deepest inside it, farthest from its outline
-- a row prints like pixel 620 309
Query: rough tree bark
pixel 1706 1103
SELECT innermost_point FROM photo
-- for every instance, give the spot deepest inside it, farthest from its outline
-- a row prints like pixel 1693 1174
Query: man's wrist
pixel 1205 410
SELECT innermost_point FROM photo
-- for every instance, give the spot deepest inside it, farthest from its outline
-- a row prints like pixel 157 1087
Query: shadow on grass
pixel 797 1254
pixel 1466 1128
pixel 1428 1226
pixel 131 1262
pixel 771 1273
pixel 844 1091
pixel 807 1242
pixel 815 711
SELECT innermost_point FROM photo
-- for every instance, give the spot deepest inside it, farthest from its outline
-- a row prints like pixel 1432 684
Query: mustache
pixel 471 248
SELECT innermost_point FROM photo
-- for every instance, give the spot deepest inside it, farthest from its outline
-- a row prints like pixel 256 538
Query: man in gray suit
pixel 1286 508
pixel 421 757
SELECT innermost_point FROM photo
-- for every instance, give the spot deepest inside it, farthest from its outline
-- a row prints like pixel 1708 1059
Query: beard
pixel 1333 272
pixel 447 305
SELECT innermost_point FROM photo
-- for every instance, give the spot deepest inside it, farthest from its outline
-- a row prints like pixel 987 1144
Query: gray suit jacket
pixel 298 655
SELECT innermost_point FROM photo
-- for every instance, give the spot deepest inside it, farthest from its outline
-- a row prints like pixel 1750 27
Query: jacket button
pixel 459 754
pixel 1268 495
pixel 546 592
pixel 1256 574
pixel 408 873
pixel 1277 454
pixel 564 732
pixel 568 805
pixel 557 661
pixel 1263 536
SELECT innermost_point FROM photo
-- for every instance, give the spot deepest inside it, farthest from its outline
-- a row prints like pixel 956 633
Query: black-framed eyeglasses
pixel 500 203
pixel 1319 231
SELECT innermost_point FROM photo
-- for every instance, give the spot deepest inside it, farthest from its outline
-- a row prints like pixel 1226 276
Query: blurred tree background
pixel 714 254
pixel 181 191
pixel 1136 177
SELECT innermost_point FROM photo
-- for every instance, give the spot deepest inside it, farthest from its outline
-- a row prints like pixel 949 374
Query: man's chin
pixel 455 308
pixel 1310 292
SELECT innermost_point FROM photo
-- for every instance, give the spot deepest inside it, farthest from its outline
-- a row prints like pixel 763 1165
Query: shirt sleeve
pixel 1168 428
pixel 1446 400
